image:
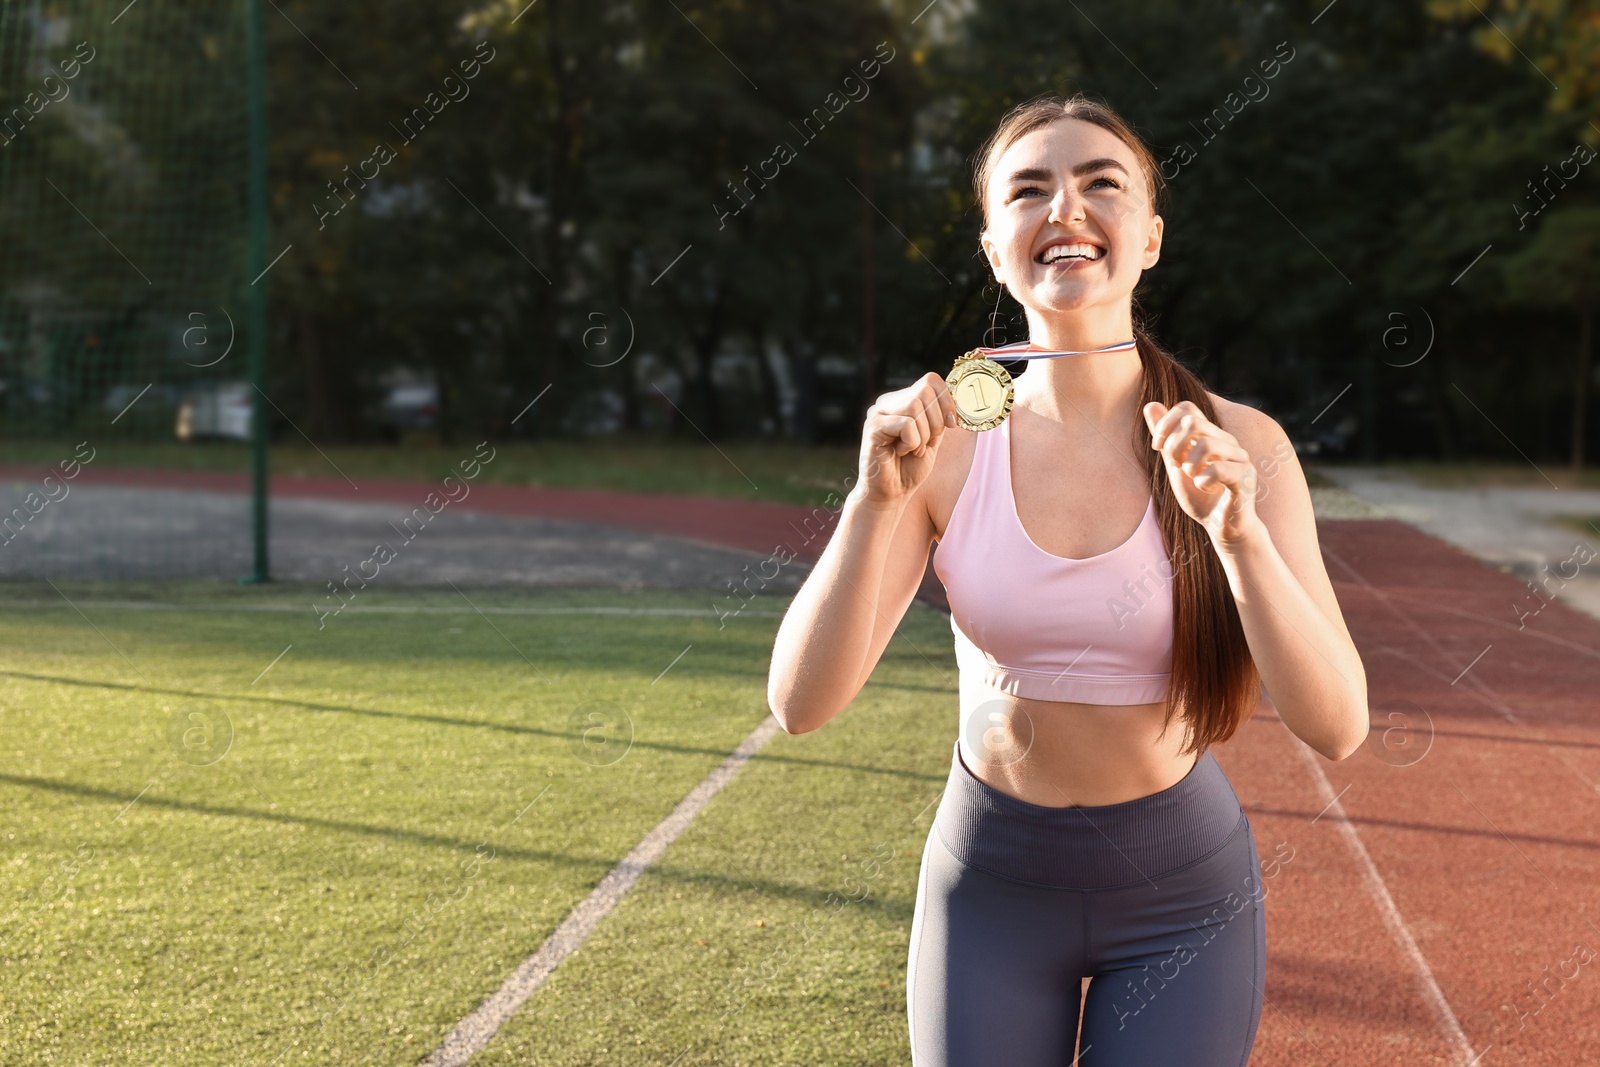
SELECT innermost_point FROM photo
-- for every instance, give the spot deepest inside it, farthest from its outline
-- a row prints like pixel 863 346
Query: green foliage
pixel 121 206
pixel 1560 266
pixel 637 176
pixel 591 154
pixel 1558 39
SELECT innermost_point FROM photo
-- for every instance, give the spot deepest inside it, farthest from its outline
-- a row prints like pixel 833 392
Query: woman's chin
pixel 1067 300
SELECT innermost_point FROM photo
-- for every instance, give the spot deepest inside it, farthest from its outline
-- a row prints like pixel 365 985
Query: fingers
pixel 1191 453
pixel 925 431
pixel 946 416
pixel 901 433
pixel 1174 430
pixel 1153 414
pixel 934 407
pixel 1235 474
pixel 919 414
pixel 1210 462
pixel 1164 421
pixel 1188 441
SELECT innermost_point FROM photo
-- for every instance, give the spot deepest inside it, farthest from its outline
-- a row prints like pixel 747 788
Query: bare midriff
pixel 1058 754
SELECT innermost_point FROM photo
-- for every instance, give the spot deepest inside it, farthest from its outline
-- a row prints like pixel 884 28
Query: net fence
pixel 124 215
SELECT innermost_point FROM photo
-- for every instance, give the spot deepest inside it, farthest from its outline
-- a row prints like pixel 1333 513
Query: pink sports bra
pixel 1032 624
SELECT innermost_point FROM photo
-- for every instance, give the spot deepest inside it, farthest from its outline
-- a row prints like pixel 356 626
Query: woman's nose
pixel 1066 206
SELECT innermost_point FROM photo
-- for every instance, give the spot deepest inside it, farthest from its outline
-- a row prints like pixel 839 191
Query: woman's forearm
pixel 827 631
pixel 1309 666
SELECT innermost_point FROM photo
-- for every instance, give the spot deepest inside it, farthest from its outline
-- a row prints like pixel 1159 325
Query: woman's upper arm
pixel 902 575
pixel 1283 502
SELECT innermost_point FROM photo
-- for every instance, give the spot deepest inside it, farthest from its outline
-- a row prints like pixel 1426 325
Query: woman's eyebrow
pixel 1030 174
pixel 1097 164
pixel 1036 174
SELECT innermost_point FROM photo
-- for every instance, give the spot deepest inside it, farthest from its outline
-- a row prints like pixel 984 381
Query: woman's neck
pixel 1103 388
pixel 1080 331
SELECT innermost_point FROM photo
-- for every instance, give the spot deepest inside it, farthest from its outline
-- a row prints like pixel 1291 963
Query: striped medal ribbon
pixel 982 389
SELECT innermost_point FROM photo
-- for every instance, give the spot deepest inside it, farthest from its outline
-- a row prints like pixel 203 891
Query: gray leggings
pixel 1158 901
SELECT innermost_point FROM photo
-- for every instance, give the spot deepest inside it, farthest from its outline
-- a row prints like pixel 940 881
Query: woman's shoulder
pixel 1256 431
pixel 1283 498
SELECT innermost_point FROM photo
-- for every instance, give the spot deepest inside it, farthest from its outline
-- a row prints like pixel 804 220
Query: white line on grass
pixel 475 1031
pixel 1438 1006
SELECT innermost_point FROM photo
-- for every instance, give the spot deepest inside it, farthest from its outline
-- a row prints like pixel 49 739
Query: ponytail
pixel 1214 680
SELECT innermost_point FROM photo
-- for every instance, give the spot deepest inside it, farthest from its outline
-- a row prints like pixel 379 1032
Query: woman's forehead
pixel 1062 144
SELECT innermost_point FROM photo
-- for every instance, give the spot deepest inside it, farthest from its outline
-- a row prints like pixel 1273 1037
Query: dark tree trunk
pixel 771 401
pixel 705 353
pixel 632 417
pixel 620 338
pixel 1443 410
pixel 873 373
pixel 326 424
pixel 449 410
pixel 565 125
pixel 1580 387
pixel 802 356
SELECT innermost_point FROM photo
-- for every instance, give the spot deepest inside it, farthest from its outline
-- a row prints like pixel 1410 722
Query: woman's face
pixel 1070 223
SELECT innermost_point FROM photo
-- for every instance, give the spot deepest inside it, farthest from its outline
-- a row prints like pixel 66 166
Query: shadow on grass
pixel 469 723
pixel 687 876
pixel 476 724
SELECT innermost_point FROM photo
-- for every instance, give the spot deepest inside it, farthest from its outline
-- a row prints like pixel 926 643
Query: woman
pixel 1085 830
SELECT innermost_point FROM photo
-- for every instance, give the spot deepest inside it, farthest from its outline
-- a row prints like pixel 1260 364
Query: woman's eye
pixel 1112 182
pixel 1027 189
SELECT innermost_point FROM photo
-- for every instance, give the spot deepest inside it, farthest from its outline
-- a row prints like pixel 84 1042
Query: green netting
pixel 124 284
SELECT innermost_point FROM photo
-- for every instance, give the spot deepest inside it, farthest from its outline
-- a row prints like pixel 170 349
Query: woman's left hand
pixel 1211 474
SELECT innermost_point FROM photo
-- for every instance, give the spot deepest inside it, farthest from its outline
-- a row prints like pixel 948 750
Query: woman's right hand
pixel 900 438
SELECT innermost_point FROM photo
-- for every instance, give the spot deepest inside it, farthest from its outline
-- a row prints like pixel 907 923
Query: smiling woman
pixel 1086 832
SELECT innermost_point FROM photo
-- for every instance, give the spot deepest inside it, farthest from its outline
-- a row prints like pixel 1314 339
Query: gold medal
pixel 982 389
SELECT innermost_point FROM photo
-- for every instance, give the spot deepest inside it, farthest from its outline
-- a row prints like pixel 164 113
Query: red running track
pixel 1475 931
pixel 1444 908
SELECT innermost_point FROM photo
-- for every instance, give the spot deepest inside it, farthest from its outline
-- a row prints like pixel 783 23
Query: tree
pixel 1560 267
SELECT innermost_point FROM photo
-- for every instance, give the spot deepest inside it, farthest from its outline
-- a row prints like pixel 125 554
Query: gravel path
pixel 142 533
pixel 152 532
pixel 1515 530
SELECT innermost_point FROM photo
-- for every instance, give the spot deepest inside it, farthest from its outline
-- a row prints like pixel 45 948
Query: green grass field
pixel 352 876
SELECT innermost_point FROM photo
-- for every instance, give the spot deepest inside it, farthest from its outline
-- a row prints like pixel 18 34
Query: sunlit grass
pixel 360 866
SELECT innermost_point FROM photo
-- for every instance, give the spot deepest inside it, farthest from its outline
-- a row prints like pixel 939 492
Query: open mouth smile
pixel 1070 253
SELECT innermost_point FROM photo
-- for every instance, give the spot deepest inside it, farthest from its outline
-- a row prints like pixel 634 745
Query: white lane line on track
pixel 474 1032
pixel 1462 1052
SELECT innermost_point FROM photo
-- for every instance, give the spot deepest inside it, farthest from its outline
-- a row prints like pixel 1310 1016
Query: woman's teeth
pixel 1073 251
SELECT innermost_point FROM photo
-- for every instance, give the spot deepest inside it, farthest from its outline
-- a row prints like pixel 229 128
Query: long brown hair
pixel 1214 680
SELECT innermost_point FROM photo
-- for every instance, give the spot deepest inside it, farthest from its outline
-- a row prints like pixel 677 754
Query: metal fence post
pixel 257 64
